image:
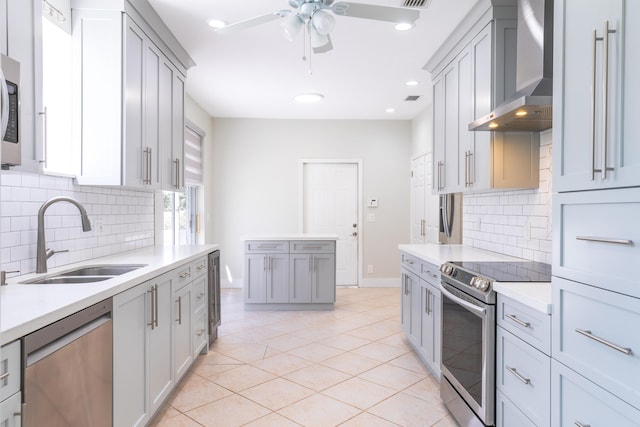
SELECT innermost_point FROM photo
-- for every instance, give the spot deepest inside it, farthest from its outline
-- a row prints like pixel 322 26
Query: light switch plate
pixel 371 217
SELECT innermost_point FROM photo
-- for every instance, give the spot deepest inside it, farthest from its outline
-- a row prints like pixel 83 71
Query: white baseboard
pixel 387 282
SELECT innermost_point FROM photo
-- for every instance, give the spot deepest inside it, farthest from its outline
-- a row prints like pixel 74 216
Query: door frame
pixel 358 163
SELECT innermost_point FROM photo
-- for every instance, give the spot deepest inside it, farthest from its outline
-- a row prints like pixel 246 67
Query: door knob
pixel 355 233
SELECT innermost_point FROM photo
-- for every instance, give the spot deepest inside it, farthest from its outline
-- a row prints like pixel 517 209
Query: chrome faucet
pixel 42 253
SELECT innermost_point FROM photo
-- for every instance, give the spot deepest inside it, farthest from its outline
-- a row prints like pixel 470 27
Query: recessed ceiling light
pixel 403 26
pixel 306 98
pixel 412 83
pixel 216 23
pixel 390 110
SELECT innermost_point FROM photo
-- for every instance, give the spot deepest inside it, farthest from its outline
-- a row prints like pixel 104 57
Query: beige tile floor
pixel 349 367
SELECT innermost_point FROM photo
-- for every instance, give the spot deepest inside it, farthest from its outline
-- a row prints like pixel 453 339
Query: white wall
pixel 253 183
pixel 126 216
pixel 422 132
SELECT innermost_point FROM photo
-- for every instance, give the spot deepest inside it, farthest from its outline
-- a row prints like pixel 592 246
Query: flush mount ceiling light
pixel 318 17
pixel 308 98
pixel 403 26
pixel 216 23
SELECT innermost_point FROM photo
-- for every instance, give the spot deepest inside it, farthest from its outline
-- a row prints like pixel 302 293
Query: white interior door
pixel 330 206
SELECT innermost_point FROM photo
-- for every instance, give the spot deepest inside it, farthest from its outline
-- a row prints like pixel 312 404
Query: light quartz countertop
pixel 536 295
pixel 25 308
pixel 293 236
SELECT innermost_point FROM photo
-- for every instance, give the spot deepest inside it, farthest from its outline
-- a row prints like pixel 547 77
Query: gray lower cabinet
pixel 10 395
pixel 523 365
pixel 290 274
pixel 142 369
pixel 421 309
pixel 159 327
pixel 577 401
pixel 182 355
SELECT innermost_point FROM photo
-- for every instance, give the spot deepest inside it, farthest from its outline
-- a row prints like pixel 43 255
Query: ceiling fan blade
pixel 325 47
pixel 382 13
pixel 252 22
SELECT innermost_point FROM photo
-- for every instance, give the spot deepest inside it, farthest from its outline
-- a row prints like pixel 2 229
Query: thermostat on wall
pixel 372 203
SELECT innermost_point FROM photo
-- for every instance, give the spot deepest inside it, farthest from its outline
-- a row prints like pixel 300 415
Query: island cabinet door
pixel 300 278
pixel 324 278
pixel 255 278
pixel 278 278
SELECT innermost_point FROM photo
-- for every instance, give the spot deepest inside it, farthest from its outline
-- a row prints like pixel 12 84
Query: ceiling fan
pixel 318 18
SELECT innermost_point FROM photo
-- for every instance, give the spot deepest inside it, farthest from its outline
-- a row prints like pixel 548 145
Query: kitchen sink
pixel 103 270
pixel 88 274
pixel 59 280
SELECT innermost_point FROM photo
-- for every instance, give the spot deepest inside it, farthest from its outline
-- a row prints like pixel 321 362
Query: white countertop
pixel 25 308
pixel 293 236
pixel 439 254
pixel 536 295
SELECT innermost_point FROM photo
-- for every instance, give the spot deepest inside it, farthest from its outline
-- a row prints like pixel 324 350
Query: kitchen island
pixel 290 272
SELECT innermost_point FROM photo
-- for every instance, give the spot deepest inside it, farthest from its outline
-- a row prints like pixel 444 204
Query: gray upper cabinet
pixel 596 97
pixel 134 140
pixel 472 74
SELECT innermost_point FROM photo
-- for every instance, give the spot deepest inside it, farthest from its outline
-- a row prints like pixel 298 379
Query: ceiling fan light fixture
pixel 403 26
pixel 317 38
pixel 308 98
pixel 323 22
pixel 291 26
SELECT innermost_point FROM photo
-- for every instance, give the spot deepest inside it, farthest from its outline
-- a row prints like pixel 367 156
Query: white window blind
pixel 192 157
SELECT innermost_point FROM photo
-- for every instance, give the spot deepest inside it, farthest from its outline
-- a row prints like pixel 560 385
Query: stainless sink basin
pixel 103 270
pixel 58 280
pixel 88 274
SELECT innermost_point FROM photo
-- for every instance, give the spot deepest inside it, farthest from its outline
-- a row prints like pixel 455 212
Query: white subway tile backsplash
pixel 516 223
pixel 127 218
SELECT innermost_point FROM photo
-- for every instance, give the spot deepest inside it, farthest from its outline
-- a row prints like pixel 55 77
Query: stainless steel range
pixel 468 334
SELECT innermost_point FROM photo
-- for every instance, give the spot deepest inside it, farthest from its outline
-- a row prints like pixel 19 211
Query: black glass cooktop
pixel 508 271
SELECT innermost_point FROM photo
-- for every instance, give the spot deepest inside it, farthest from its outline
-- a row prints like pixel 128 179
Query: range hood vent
pixel 416 3
pixel 531 108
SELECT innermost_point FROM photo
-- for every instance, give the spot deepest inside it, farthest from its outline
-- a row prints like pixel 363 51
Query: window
pixel 183 211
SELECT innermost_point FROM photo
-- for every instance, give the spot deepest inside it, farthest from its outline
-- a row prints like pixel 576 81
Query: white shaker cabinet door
pixel 596 94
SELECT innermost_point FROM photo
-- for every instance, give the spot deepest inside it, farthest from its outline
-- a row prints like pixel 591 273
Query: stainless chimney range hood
pixel 531 108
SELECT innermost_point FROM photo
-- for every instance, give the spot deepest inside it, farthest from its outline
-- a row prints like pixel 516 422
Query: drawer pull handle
pixel 200 332
pixel 200 267
pixel 579 424
pixel 187 274
pixel 605 240
pixel 518 376
pixel 4 376
pixel 200 295
pixel 518 321
pixel 588 334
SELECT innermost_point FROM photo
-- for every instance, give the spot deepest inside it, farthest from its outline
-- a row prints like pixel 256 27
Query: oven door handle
pixel 471 307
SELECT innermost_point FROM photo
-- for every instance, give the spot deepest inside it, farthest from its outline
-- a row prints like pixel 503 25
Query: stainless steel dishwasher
pixel 68 371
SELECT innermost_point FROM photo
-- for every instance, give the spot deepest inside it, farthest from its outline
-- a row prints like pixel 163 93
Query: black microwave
pixel 10 111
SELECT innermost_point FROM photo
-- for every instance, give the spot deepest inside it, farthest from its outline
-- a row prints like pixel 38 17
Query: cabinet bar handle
pixel 179 310
pixel 156 302
pixel 44 137
pixel 264 263
pixel 200 295
pixel 518 321
pixel 153 309
pixel 594 41
pixel 605 240
pixel 588 334
pixel 182 276
pixel 579 424
pixel 517 375
pixel 200 332
pixel 200 267
pixel 4 376
pixel 177 172
pixel 605 97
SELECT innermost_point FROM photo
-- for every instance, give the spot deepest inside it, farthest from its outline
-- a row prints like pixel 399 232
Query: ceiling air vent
pixel 413 97
pixel 416 3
